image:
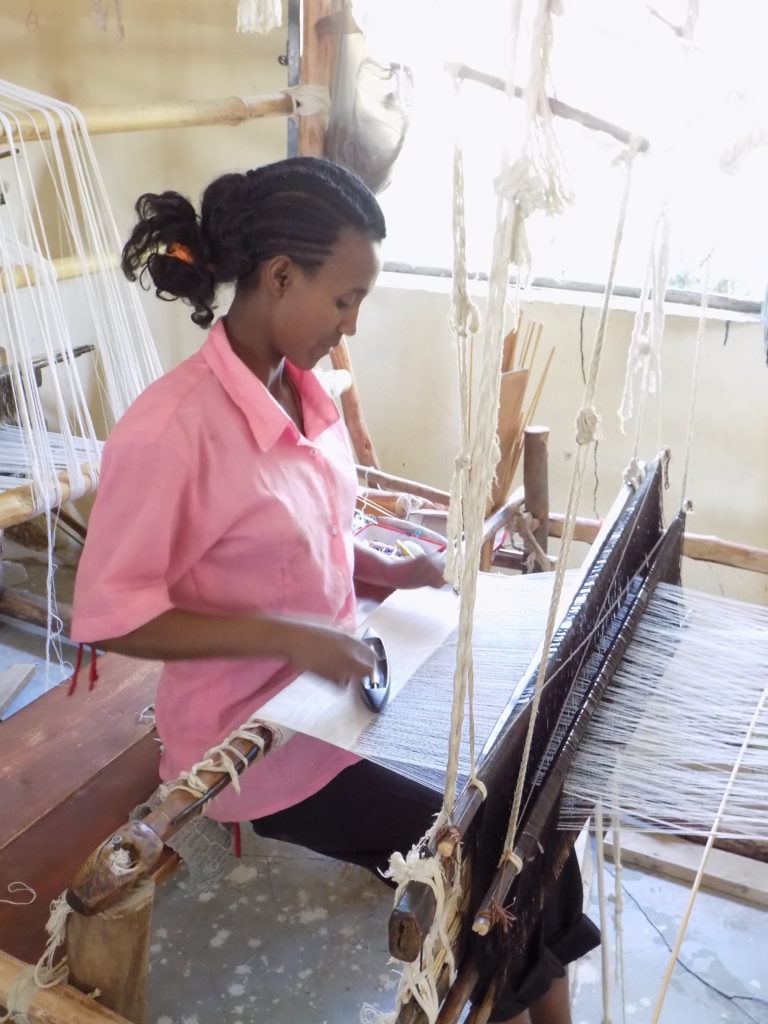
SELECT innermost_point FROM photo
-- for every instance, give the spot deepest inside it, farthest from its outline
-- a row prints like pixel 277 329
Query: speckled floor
pixel 289 936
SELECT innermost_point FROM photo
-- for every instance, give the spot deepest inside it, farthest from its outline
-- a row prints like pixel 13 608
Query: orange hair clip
pixel 180 252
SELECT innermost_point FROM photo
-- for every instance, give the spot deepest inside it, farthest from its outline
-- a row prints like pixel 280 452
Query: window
pixel 626 63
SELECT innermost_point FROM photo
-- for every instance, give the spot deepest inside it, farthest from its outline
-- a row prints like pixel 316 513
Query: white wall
pixel 404 361
pixel 403 353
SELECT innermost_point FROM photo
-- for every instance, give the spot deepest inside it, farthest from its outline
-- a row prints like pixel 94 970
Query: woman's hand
pixel 330 653
pixel 424 570
pixel 398 573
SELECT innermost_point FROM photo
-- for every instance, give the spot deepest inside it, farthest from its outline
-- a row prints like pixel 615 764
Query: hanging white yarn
pixel 644 356
pixel 465 322
pixel 478 470
pixel 586 427
pixel 33 318
pixel 43 974
pixel 418 980
pixel 259 15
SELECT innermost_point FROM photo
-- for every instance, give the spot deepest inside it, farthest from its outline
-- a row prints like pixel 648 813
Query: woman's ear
pixel 278 273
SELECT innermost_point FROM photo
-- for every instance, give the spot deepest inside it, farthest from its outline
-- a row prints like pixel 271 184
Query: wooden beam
pixel 62 1004
pixel 726 873
pixel 318 55
pixel 137 117
pixel 704 548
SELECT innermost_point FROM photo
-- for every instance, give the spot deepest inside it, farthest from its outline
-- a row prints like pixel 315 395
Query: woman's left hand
pixel 398 572
pixel 425 570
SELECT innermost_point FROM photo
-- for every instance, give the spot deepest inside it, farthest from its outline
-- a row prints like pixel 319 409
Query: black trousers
pixel 367 812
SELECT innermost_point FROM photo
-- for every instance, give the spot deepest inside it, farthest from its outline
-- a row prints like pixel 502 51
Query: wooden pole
pixel 20 604
pixel 696 546
pixel 137 117
pixel 110 951
pixel 20 505
pixel 536 480
pixel 558 108
pixel 62 1004
pixel 66 267
pixel 318 54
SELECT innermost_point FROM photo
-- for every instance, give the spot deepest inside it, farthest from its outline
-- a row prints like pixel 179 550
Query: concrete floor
pixel 285 936
pixel 289 936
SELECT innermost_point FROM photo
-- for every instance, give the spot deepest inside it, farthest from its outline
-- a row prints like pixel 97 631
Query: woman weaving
pixel 236 565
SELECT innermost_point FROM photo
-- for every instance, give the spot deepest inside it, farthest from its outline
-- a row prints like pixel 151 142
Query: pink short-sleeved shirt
pixel 211 500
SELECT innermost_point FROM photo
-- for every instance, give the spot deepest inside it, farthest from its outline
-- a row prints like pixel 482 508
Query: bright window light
pixel 627 63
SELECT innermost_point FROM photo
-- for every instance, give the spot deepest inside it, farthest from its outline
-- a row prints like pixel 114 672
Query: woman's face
pixel 315 310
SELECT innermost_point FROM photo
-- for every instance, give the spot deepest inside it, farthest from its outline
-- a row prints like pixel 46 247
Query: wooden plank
pixel 726 873
pixel 12 682
pixel 73 768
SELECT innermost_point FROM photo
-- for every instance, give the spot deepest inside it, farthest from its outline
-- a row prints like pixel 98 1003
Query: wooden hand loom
pixel 619 558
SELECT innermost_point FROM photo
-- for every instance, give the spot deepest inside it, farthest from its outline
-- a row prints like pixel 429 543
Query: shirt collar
pixel 266 417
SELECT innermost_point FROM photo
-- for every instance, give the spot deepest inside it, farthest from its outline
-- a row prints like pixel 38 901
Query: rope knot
pixel 521 185
pixel 513 858
pixel 587 423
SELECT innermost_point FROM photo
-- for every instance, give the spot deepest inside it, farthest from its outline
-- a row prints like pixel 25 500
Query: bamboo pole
pixel 62 1004
pixel 137 117
pixel 696 546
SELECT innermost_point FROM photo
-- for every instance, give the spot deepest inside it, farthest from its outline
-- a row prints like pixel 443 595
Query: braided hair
pixel 296 207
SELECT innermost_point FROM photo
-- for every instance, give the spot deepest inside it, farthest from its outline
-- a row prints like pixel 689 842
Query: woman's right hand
pixel 330 653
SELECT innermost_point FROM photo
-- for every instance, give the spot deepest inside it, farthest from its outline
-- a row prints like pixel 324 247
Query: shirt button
pixel 313 452
pixel 334 529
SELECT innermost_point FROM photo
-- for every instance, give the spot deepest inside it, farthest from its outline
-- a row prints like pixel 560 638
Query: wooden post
pixel 318 54
pixel 110 951
pixel 536 480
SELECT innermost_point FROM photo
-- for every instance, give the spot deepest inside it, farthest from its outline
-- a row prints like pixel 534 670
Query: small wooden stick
pixel 510 344
pixel 353 410
pixel 539 389
pixel 526 343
